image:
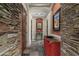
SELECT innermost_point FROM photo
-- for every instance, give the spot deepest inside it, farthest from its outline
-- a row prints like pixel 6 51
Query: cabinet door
pixel 55 48
pixel 47 48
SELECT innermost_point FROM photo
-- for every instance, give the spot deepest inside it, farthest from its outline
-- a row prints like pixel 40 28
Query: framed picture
pixel 39 24
pixel 56 21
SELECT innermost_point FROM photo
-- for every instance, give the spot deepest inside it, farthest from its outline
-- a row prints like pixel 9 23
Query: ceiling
pixel 39 5
pixel 39 10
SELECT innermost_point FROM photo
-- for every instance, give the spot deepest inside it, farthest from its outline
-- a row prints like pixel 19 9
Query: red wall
pixel 55 7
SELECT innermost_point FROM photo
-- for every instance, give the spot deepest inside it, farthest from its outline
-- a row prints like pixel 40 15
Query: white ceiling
pixel 39 10
pixel 39 5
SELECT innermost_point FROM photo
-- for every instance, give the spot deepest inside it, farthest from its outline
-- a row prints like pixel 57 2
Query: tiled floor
pixel 36 49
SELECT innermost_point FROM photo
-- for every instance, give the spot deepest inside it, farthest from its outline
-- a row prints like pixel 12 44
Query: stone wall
pixel 70 29
pixel 3 27
pixel 12 29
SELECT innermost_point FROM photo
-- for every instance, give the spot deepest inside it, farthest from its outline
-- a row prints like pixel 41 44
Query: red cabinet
pixel 47 46
pixel 51 48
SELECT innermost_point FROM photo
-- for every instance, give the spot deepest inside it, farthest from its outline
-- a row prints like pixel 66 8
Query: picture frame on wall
pixel 39 24
pixel 56 21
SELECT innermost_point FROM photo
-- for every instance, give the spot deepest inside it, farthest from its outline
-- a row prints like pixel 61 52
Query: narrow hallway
pixel 39 29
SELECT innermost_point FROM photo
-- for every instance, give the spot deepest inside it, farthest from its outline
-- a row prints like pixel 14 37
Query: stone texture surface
pixel 11 21
pixel 70 29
